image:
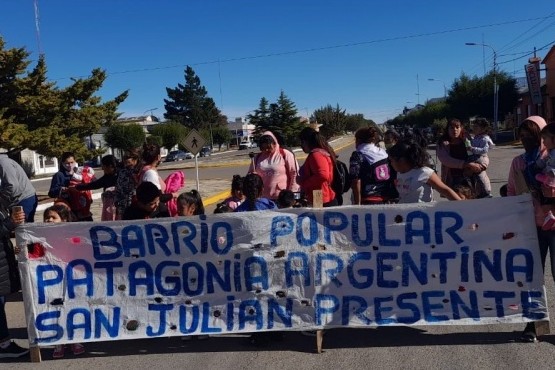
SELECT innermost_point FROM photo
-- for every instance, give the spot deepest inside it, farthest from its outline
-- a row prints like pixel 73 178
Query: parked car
pixel 178 155
pixel 245 145
pixel 205 151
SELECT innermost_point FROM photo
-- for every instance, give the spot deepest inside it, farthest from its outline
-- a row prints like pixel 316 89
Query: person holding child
pixel 522 179
pixel 452 153
pixel 63 185
pixel 547 167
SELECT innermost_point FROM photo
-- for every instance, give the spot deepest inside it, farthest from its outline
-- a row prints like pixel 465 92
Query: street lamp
pixel 495 87
pixel 150 110
pixel 444 88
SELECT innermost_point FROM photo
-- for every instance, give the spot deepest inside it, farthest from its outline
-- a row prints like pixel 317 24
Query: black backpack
pixel 340 183
pixel 377 179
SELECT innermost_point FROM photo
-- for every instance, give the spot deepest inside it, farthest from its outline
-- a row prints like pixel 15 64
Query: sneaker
pixel 58 351
pixel 13 351
pixel 548 222
pixel 78 349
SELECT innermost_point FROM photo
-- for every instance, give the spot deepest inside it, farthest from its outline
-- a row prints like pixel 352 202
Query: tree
pixel 333 120
pixel 280 118
pixel 356 121
pixel 473 96
pixel 171 133
pixel 125 137
pixel 190 105
pixel 36 114
pixel 221 135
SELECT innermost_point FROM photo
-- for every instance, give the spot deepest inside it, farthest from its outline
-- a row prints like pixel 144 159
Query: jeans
pixel 29 207
pixel 4 333
pixel 546 240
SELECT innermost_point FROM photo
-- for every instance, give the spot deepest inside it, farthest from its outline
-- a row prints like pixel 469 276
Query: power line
pixel 310 50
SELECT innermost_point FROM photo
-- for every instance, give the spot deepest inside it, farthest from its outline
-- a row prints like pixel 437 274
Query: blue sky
pixel 363 55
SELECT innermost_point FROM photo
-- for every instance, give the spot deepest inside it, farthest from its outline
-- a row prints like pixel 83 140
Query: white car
pixel 246 145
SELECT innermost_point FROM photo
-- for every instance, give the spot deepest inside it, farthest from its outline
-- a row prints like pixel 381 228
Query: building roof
pixel 549 54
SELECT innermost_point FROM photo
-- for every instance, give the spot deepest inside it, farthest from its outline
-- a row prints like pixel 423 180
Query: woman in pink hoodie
pixel 522 179
pixel 277 167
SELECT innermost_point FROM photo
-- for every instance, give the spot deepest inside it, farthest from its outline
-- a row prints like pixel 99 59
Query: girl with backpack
pixel 317 170
pixel 372 178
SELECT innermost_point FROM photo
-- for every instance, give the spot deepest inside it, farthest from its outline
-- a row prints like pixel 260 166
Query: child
pixel 477 150
pixel 190 204
pixel 55 214
pixel 415 181
pixel 547 165
pixel 252 188
pixel 465 192
pixel 286 199
pixel 237 197
pixel 222 208
pixel 146 205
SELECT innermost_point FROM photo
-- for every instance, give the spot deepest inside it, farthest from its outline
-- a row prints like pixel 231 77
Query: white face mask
pixel 68 166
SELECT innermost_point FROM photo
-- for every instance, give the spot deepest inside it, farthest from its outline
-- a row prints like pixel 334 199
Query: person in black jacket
pixel 108 182
pixel 9 283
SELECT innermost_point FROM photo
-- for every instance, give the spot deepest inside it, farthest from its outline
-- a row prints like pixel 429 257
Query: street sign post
pixel 194 143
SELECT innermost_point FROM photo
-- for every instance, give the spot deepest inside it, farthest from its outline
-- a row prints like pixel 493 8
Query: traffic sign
pixel 194 142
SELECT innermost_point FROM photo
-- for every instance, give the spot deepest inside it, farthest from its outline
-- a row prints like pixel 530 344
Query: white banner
pixel 468 262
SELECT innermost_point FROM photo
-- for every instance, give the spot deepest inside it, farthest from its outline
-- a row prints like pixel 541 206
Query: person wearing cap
pixel 522 179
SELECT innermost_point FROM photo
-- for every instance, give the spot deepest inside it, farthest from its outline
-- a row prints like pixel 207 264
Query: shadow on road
pixel 292 341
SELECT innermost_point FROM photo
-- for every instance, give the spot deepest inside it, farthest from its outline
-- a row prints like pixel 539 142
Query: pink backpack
pixel 174 182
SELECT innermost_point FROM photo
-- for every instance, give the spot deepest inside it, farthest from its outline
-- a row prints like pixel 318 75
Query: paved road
pixel 431 347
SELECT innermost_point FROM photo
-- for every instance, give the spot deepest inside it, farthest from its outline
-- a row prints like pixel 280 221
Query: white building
pixel 241 131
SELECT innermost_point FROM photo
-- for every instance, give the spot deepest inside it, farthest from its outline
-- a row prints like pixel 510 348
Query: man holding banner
pixel 9 283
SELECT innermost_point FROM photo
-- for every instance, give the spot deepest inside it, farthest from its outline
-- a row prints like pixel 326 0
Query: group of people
pixel 399 170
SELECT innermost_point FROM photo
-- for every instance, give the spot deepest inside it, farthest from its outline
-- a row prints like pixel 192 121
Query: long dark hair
pixel 192 197
pixel 252 188
pixel 314 139
pixel 62 211
pixel 236 183
pixel 445 135
pixel 151 152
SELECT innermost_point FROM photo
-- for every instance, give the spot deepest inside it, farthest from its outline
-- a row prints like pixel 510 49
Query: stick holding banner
pixel 318 202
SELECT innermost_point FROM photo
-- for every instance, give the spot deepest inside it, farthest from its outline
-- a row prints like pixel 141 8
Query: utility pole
pixel 495 87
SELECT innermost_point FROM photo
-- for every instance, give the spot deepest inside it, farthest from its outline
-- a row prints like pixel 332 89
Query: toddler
pixel 547 165
pixel 477 149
